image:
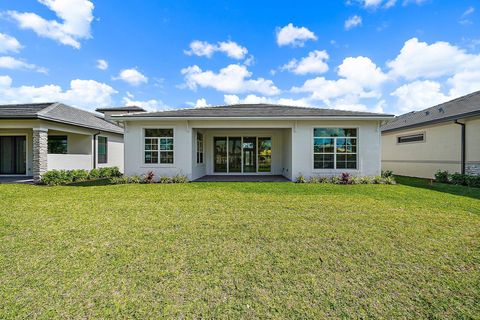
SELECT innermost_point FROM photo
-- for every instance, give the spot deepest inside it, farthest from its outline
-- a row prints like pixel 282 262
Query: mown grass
pixel 239 250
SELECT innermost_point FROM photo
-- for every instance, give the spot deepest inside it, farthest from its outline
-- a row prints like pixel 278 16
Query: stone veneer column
pixel 40 151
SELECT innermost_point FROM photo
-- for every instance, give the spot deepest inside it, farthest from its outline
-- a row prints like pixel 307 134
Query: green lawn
pixel 240 250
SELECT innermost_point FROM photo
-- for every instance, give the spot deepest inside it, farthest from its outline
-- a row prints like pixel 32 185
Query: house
pixel 252 139
pixel 443 137
pixel 38 137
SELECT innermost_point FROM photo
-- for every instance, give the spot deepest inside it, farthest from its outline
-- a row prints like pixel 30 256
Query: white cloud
pixel 12 63
pixel 421 60
pixel 230 99
pixel 315 62
pixel 102 64
pixel 76 16
pixel 233 78
pixel 9 43
pixel 294 36
pixel 363 71
pixel 230 48
pixel 468 12
pixel 149 105
pixel 373 4
pixel 87 94
pixel 463 83
pixel 201 103
pixel 418 95
pixel 132 77
pixel 352 22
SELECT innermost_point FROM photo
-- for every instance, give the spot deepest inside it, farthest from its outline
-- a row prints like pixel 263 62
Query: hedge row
pixel 61 177
pixel 458 178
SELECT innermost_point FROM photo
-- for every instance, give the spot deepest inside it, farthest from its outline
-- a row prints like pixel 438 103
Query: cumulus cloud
pixel 230 99
pixel 76 17
pixel 12 63
pixel 102 64
pixel 418 95
pixel 132 77
pixel 352 22
pixel 233 78
pixel 290 35
pixel 9 43
pixel 315 62
pixel 230 48
pixel 422 60
pixel 149 105
pixel 87 94
pixel 373 4
pixel 201 103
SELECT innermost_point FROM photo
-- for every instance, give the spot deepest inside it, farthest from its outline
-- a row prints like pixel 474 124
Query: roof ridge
pixel 49 108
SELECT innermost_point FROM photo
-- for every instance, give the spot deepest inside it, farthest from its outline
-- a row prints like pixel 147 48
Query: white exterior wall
pixel 292 145
pixel 69 161
pixel 114 151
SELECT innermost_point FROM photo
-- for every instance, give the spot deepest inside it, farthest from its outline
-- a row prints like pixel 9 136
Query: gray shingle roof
pixel 468 105
pixel 58 112
pixel 254 111
pixel 127 109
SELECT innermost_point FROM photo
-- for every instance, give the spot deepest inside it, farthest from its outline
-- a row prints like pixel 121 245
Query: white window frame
pixel 158 163
pixel 200 148
pixel 334 148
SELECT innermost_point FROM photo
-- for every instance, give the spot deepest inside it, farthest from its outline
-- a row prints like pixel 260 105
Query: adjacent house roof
pixel 459 108
pixel 58 112
pixel 254 111
pixel 126 109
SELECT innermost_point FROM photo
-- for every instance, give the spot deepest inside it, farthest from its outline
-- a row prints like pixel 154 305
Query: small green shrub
pixel 356 180
pixel 119 180
pixel 458 178
pixel 366 180
pixel 79 175
pixel 387 173
pixel 313 179
pixel 164 179
pixel 54 177
pixel 377 180
pixel 301 179
pixel 94 174
pixel 389 180
pixel 134 179
pixel 336 180
pixel 178 178
pixel 472 181
pixel 442 176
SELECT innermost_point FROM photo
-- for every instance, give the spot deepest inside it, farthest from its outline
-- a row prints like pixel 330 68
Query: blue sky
pixel 375 55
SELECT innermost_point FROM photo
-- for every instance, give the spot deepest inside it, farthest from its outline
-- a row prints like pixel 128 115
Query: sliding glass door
pixel 13 155
pixel 242 154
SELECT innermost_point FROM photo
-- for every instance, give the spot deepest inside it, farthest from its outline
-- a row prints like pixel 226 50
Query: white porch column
pixel 40 151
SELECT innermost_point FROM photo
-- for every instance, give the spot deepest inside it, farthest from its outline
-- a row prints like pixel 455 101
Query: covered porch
pixel 241 154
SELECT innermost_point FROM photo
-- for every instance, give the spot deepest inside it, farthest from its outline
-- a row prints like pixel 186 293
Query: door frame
pixel 13 134
pixel 270 136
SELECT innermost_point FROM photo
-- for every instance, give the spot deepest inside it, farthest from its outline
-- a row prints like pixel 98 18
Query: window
pixel 57 144
pixel 158 146
pixel 102 149
pixel 334 148
pixel 199 148
pixel 411 138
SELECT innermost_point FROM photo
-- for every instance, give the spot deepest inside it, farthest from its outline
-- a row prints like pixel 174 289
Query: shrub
pixel 78 175
pixel 178 178
pixel 387 173
pixel 164 179
pixel 356 180
pixel 54 177
pixel 335 180
pixel 389 180
pixel 94 174
pixel 441 176
pixel 377 180
pixel 301 179
pixel 458 178
pixel 472 181
pixel 119 180
pixel 345 178
pixel 149 177
pixel 135 179
pixel 366 180
pixel 313 179
pixel 109 172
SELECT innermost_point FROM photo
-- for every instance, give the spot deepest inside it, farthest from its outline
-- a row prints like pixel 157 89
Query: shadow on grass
pixel 441 187
pixel 90 183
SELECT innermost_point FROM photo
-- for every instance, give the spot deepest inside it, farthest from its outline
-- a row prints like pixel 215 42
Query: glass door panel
pixel 234 154
pixel 264 154
pixel 249 154
pixel 13 155
pixel 220 154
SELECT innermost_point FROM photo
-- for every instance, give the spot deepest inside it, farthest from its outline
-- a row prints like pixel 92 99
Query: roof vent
pixel 441 110
pixel 427 113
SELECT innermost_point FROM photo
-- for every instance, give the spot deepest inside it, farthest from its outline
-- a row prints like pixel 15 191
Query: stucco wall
pixel 115 151
pixel 292 145
pixel 441 150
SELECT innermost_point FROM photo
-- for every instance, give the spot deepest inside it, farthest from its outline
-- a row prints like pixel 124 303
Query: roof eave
pixel 149 118
pixel 436 121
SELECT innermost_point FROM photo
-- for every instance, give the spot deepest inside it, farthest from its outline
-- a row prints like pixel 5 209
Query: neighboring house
pixel 443 137
pixel 253 139
pixel 38 137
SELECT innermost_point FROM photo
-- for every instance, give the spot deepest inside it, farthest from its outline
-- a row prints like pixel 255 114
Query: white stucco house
pixel 252 139
pixel 38 137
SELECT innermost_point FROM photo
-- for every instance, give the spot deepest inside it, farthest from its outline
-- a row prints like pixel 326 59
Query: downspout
pixel 95 149
pixel 463 146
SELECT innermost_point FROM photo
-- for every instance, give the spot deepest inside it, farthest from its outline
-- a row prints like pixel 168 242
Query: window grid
pixel 102 149
pixel 335 152
pixel 158 149
pixel 199 148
